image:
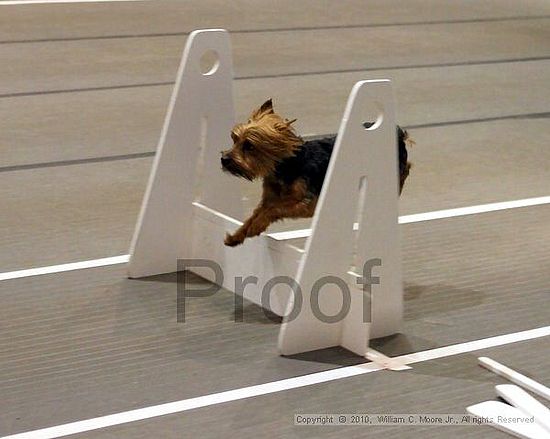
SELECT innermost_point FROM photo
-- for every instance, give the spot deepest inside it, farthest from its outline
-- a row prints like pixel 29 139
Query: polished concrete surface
pixel 62 65
pixel 83 95
pixel 89 124
pixel 71 21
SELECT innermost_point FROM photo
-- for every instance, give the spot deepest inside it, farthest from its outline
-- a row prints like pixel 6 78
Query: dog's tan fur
pixel 270 139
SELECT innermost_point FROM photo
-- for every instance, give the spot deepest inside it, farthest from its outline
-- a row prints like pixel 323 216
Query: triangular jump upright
pixel 361 185
pixel 197 126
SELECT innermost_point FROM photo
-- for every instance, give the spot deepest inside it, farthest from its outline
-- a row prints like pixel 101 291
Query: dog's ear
pixel 266 108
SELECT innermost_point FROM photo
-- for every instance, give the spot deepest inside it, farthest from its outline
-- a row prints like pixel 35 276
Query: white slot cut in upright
pixel 190 204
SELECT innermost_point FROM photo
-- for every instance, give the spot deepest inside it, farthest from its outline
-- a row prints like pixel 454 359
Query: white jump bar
pixel 515 377
pixel 519 398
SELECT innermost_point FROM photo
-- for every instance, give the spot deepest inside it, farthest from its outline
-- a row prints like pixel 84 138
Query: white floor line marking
pixel 435 215
pixel 292 234
pixel 65 267
pixel 41 2
pixel 272 387
pixel 471 210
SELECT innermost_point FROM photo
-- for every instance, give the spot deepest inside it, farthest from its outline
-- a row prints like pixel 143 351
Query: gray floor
pixel 439 386
pixel 83 96
pixel 94 343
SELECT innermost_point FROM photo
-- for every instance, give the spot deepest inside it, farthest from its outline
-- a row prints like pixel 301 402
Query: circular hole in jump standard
pixel 373 116
pixel 209 62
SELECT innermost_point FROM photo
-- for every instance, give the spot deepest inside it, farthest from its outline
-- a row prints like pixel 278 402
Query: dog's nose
pixel 225 160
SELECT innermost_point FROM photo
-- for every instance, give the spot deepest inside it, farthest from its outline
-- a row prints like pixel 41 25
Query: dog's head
pixel 260 143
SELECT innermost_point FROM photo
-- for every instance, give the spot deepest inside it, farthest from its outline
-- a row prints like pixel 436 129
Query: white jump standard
pixel 189 205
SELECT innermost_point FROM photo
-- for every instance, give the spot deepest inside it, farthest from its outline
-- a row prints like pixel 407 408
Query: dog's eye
pixel 247 146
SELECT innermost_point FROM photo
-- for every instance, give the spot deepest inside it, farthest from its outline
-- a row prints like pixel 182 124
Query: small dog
pixel 292 169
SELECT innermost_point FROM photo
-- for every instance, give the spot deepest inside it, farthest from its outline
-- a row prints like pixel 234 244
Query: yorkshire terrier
pixel 292 169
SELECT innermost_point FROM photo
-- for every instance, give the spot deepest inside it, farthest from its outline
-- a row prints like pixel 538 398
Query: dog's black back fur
pixel 311 162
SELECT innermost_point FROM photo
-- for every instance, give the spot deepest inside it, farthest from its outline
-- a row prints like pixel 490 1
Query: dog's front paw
pixel 232 240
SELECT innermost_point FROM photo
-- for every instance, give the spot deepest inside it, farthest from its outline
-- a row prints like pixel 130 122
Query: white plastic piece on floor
pixel 520 399
pixel 515 377
pixel 508 419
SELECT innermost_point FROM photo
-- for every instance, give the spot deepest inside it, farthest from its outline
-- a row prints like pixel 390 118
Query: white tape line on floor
pixel 40 2
pixel 436 214
pixel 64 267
